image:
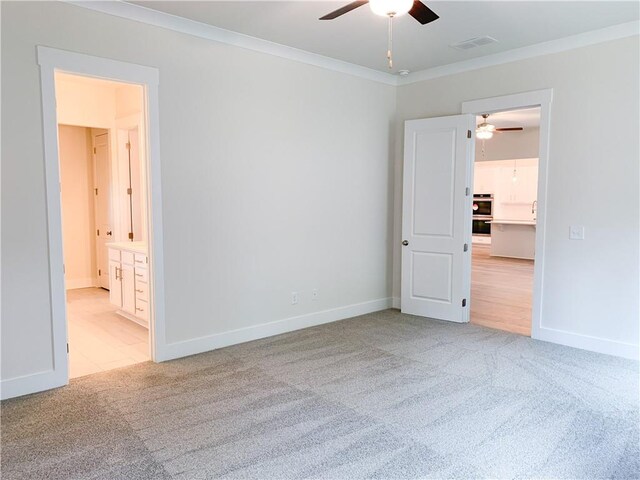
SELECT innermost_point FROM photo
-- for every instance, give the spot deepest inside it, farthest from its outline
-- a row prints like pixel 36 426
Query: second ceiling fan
pixel 391 9
pixel 485 130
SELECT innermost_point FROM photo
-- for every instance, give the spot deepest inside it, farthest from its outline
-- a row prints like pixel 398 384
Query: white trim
pixel 80 283
pixel 50 61
pixel 542 98
pixel 255 332
pixel 585 39
pixel 586 342
pixel 35 382
pixel 202 30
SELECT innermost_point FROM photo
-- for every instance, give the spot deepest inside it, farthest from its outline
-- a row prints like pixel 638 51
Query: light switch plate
pixel 576 232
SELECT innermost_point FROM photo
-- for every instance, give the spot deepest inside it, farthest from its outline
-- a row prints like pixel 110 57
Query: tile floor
pixel 100 339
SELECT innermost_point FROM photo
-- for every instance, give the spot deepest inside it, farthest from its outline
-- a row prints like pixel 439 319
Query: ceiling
pixel 360 37
pixel 527 118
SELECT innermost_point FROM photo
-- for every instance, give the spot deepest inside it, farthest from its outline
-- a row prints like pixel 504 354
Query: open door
pixel 436 217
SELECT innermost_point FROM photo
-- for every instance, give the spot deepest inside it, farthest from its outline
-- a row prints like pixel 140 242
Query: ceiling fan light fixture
pixel 390 8
pixel 484 134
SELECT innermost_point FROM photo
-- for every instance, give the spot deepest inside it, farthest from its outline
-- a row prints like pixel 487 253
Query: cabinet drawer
pixel 142 275
pixel 114 255
pixel 140 259
pixel 142 291
pixel 127 257
pixel 142 309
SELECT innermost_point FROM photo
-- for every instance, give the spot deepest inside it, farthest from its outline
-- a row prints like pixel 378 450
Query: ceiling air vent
pixel 473 43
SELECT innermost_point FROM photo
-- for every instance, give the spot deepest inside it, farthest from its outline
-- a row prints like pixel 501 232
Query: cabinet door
pixel 128 290
pixel 115 284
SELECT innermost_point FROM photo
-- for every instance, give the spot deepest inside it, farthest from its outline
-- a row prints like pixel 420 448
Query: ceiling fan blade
pixel 422 13
pixel 343 10
pixel 509 129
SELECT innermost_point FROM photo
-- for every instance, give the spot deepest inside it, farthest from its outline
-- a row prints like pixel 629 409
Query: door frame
pixel 542 99
pixel 53 60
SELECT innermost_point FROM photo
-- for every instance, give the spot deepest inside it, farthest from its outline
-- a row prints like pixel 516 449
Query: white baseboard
pixel 74 283
pixel 395 302
pixel 585 342
pixel 37 382
pixel 233 337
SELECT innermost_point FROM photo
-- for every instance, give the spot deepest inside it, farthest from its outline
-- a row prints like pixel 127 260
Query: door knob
pixel 405 242
pixel 109 232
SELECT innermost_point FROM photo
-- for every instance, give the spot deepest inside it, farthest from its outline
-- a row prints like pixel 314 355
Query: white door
pixel 102 168
pixel 436 217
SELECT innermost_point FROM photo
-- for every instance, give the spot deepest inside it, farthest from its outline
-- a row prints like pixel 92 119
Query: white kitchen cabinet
pixel 129 280
pixel 484 178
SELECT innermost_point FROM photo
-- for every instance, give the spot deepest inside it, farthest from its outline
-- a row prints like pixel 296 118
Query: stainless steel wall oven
pixel 482 214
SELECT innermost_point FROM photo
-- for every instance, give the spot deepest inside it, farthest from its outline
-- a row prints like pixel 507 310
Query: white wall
pixel 590 293
pixel 509 145
pixel 276 178
pixel 83 103
pixel 78 219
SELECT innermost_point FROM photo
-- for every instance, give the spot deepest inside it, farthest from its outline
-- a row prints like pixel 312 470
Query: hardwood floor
pixel 501 291
pixel 100 339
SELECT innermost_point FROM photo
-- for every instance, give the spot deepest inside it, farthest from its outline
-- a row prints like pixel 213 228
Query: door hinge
pixel 98 232
pixel 129 191
pixel 464 302
pixel 466 247
pixel 67 348
pixel 99 272
pixel 96 191
pixel 128 145
pixel 130 235
pixel 467 191
pixel 94 150
pixel 468 133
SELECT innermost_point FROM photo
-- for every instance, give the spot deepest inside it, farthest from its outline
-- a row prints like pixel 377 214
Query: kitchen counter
pixel 513 238
pixel 513 222
pixel 136 247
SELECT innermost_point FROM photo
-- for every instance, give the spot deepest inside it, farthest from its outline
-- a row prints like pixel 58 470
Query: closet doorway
pixel 101 139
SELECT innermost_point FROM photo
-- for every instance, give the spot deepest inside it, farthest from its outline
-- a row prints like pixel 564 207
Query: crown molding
pixel 146 15
pixel 592 37
pixel 149 16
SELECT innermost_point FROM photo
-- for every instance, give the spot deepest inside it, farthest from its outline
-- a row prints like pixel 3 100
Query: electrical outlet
pixel 314 294
pixel 576 232
pixel 294 298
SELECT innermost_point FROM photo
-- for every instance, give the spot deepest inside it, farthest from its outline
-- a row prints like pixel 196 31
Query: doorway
pixel 437 206
pixel 505 189
pixel 105 243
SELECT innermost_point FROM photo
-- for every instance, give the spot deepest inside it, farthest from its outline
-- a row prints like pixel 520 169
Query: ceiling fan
pixel 485 130
pixel 391 9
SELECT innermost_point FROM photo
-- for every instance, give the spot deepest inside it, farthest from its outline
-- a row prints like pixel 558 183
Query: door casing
pixel 542 99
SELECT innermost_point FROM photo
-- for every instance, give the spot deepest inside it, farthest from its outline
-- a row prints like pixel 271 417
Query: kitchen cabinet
pixel 129 280
pixel 484 178
pixel 513 239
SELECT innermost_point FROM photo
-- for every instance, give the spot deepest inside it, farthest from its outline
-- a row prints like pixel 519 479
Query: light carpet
pixel 384 395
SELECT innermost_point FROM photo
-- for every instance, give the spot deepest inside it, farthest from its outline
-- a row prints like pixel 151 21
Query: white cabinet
pixel 129 281
pixel 484 178
pixel 512 199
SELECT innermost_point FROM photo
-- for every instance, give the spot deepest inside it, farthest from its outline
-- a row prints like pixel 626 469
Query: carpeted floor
pixel 384 395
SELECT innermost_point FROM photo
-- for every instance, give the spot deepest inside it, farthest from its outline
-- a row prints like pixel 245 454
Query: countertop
pixel 513 222
pixel 137 247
